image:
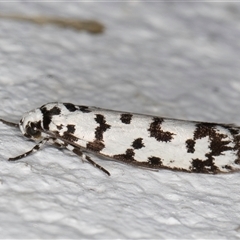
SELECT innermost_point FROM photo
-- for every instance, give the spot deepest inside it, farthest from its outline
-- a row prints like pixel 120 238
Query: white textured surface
pixel 176 60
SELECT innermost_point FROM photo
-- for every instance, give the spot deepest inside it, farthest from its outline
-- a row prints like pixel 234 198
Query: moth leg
pixel 95 164
pixel 34 149
pixel 85 157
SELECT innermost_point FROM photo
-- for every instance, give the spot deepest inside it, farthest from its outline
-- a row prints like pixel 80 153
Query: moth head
pixel 30 125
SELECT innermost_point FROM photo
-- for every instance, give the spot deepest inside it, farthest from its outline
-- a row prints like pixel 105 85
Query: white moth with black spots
pixel 140 140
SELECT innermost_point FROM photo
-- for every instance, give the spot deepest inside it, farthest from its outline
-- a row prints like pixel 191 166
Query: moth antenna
pixel 11 124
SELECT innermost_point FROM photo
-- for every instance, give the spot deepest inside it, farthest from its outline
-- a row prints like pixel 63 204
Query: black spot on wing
pixel 70 107
pixel 137 143
pixel 71 128
pixel 155 161
pixel 126 118
pixel 100 119
pixel 47 115
pixel 218 144
pixel 232 129
pixel 156 131
pixel 228 167
pixel 69 133
pixel 54 111
pixel 204 166
pixel 204 130
pixel 84 109
pixel 128 156
pixel 190 143
pixel 95 146
pixel 46 121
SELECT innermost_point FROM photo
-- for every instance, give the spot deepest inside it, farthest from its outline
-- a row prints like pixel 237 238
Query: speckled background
pixel 179 60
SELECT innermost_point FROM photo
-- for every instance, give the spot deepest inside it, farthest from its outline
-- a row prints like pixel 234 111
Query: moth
pixel 140 140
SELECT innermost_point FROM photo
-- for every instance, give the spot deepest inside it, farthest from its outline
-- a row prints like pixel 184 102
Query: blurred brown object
pixel 90 26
